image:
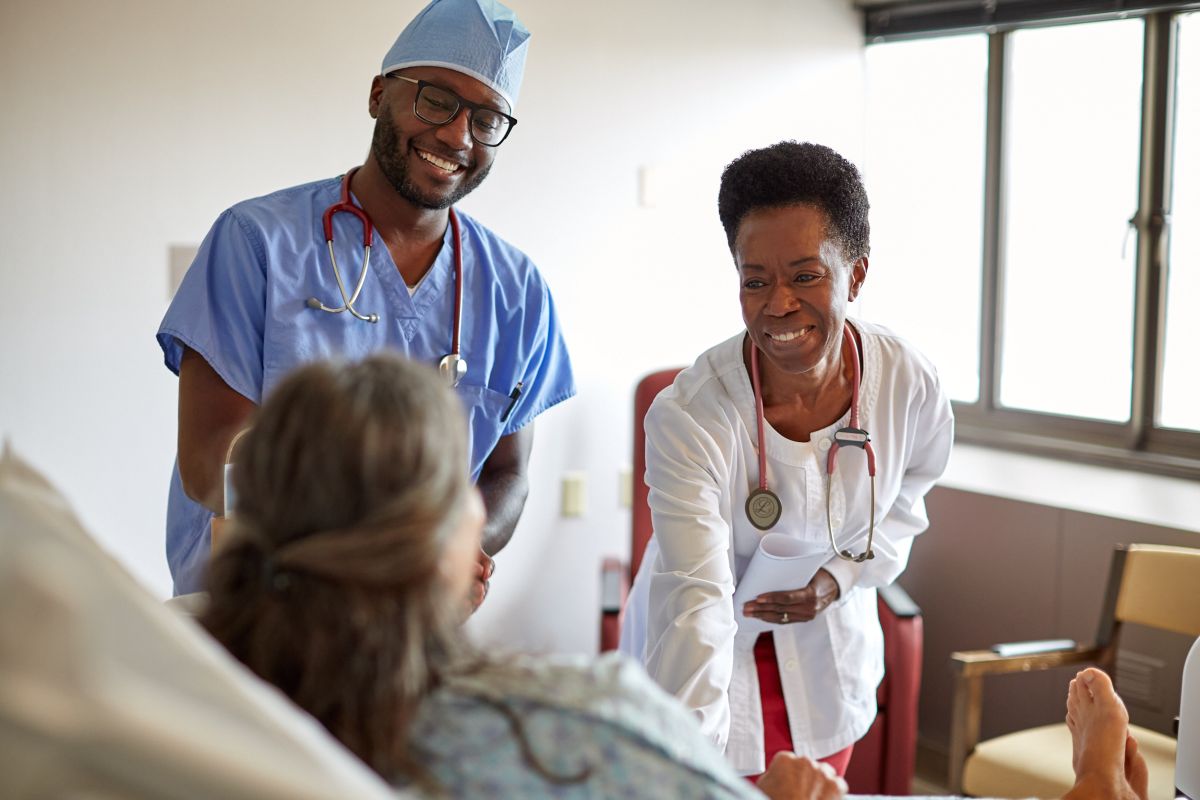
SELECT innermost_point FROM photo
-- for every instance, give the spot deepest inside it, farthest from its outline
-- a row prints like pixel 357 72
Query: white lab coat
pixel 701 463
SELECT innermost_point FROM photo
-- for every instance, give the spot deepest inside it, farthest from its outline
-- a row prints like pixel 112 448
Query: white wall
pixel 129 125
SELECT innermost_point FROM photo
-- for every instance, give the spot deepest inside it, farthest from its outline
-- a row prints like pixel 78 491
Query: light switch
pixel 625 488
pixel 574 494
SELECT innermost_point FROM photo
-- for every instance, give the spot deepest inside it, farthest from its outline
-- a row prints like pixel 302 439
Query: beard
pixel 390 155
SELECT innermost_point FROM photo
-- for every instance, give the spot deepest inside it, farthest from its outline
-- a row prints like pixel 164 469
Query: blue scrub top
pixel 242 306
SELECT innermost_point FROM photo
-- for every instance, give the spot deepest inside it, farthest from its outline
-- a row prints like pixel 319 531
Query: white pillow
pixel 105 692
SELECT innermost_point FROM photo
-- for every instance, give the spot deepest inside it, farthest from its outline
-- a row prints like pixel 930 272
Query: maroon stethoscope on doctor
pixel 763 506
pixel 452 366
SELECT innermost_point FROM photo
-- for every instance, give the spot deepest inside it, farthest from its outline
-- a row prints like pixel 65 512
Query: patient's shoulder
pixel 601 717
pixel 608 686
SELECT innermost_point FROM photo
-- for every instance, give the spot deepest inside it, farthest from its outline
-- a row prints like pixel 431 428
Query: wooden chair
pixel 884 759
pixel 1151 585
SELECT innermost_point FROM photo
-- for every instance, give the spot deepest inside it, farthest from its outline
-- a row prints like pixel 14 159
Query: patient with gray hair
pixel 345 580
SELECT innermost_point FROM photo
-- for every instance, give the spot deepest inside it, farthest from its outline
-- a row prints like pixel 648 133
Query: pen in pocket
pixel 512 401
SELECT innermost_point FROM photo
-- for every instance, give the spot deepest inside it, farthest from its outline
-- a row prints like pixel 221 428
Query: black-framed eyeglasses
pixel 439 106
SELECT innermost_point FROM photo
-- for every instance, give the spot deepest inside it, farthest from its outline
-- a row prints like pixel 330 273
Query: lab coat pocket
pixel 858 647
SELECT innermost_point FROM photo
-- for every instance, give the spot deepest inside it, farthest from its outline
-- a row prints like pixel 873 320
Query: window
pixel 1180 407
pixel 928 145
pixel 1071 150
pixel 1037 187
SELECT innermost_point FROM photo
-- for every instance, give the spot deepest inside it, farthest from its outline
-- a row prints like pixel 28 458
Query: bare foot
pixel 1101 755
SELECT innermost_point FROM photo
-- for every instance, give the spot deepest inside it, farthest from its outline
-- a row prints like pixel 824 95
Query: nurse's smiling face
pixel 795 285
pixel 431 166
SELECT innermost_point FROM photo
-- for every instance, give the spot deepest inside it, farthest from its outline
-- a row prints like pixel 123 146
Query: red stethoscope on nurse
pixel 452 366
pixel 763 506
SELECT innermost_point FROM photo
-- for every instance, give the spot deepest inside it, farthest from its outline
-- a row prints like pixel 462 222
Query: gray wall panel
pixel 983 573
pixel 993 570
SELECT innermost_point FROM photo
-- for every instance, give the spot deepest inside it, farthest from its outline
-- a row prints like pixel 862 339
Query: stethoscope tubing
pixel 455 349
pixel 855 436
pixel 831 460
pixel 346 205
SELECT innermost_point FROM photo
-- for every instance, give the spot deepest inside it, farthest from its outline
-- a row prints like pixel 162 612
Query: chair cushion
pixel 1037 763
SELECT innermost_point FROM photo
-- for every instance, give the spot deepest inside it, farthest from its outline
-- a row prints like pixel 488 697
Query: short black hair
pixel 797 173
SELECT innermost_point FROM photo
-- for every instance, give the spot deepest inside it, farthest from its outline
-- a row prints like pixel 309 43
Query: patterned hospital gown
pixel 603 717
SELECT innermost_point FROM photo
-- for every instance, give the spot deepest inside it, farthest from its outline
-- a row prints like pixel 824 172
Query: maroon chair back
pixel 647 389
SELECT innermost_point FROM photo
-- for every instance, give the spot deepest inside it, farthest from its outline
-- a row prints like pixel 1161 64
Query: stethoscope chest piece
pixel 453 368
pixel 763 508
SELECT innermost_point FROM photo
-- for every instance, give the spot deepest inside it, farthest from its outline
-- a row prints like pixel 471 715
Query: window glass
pixel 1073 133
pixel 1180 405
pixel 924 169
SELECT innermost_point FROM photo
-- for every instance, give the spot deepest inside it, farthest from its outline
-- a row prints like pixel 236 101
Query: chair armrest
pixel 614 590
pixel 978 663
pixel 970 668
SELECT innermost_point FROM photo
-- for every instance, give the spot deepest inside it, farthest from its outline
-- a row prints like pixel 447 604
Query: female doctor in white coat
pixel 796 220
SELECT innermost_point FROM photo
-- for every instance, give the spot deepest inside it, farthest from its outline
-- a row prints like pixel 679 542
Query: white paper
pixel 780 563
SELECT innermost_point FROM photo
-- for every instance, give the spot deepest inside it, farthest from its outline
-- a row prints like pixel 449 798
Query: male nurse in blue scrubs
pixel 442 103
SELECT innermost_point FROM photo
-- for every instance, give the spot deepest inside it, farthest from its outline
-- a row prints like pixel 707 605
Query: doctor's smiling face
pixel 795 285
pixel 431 166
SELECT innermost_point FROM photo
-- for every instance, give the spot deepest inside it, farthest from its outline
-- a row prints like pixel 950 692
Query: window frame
pixel 1139 443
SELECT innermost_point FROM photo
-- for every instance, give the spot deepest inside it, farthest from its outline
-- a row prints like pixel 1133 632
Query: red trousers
pixel 777 734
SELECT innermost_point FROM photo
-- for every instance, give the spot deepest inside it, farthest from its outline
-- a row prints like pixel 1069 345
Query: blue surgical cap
pixel 481 38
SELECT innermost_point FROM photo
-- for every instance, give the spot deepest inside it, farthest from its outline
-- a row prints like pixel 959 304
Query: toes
pixel 1136 772
pixel 1078 696
pixel 1097 682
pixel 1102 691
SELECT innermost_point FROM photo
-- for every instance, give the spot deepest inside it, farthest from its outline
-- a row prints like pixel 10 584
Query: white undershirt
pixel 413 289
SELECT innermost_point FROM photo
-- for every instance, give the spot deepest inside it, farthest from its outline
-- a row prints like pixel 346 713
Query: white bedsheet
pixel 106 693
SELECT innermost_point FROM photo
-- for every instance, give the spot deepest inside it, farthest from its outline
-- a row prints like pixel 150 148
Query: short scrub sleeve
pixel 220 307
pixel 548 376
